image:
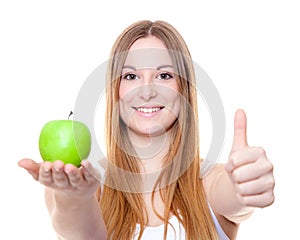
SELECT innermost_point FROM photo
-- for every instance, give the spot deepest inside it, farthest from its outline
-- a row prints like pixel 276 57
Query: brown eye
pixel 130 76
pixel 165 76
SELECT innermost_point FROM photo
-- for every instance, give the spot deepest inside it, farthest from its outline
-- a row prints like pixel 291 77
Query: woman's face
pixel 149 97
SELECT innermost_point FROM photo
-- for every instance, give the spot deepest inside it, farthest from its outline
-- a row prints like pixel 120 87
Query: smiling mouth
pixel 148 109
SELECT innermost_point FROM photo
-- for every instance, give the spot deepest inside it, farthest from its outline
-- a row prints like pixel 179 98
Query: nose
pixel 147 90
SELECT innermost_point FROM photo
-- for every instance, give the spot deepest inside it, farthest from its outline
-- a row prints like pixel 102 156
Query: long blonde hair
pixel 184 196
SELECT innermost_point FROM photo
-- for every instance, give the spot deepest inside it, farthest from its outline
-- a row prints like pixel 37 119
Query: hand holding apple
pixel 64 144
pixel 65 140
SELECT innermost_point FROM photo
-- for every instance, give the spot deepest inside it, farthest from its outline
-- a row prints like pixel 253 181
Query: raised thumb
pixel 240 130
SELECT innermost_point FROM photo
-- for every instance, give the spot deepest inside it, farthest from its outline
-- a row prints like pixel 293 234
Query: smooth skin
pixel 234 190
pixel 244 183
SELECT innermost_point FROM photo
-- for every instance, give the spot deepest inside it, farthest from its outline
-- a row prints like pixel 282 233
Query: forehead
pixel 147 42
pixel 148 52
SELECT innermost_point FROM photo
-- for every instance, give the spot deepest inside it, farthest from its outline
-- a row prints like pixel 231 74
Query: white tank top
pixel 175 230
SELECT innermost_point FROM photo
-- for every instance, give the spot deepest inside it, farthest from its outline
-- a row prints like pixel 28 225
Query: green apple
pixel 65 140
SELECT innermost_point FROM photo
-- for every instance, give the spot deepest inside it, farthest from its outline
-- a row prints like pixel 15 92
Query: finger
pixel 90 173
pixel 45 174
pixel 31 166
pixel 243 157
pixel 252 171
pixel 74 175
pixel 59 176
pixel 261 200
pixel 257 186
pixel 240 131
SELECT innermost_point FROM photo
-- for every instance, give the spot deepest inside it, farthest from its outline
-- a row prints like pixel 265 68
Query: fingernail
pixel 57 169
pixel 67 171
pixel 85 163
pixel 46 169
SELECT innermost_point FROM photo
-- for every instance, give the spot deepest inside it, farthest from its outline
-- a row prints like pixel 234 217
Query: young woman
pixel 153 188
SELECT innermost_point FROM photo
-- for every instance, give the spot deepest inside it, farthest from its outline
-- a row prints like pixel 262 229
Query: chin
pixel 152 131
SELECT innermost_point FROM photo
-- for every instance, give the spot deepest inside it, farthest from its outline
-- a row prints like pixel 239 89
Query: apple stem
pixel 71 113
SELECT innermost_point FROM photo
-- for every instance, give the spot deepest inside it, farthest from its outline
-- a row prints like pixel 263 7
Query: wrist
pixel 65 201
pixel 241 215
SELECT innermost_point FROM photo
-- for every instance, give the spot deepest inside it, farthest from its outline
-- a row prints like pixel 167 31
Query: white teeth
pixel 148 110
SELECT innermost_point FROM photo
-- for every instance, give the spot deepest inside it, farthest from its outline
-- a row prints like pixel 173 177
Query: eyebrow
pixel 164 66
pixel 130 67
pixel 158 68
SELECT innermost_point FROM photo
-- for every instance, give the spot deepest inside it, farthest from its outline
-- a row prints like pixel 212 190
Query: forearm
pixel 75 219
pixel 223 196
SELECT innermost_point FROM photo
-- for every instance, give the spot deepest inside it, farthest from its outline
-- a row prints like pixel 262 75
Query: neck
pixel 151 150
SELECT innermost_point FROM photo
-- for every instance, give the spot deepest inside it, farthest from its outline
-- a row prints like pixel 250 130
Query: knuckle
pixel 234 159
pixel 241 189
pixel 270 198
pixel 260 151
pixel 45 181
pixel 75 178
pixel 228 167
pixel 270 166
pixel 236 176
pixel 266 167
pixel 58 178
pixel 270 185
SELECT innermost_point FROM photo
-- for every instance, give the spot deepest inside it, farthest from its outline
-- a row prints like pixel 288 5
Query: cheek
pixel 175 96
pixel 176 105
pixel 123 90
pixel 171 97
pixel 127 90
pixel 124 110
pixel 126 95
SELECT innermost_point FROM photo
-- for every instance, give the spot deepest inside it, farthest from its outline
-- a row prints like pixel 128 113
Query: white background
pixel 250 49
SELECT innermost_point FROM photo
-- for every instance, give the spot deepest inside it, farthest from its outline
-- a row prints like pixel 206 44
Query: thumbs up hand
pixel 249 168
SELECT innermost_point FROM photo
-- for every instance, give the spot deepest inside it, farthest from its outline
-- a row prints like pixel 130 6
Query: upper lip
pixel 149 106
